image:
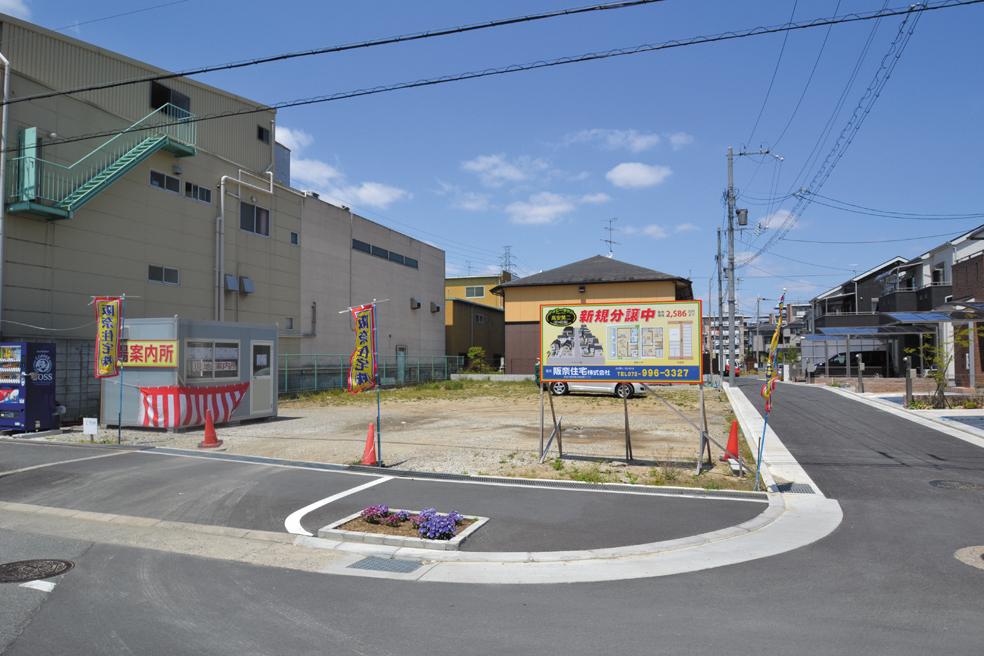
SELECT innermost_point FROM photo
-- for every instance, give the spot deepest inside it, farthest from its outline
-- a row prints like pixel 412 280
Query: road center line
pixel 293 521
pixel 62 462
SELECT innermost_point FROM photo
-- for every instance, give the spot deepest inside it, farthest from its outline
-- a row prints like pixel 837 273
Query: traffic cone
pixel 731 453
pixel 211 440
pixel 369 453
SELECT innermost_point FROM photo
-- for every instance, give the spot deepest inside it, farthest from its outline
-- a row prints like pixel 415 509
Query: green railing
pixel 31 178
pixel 312 372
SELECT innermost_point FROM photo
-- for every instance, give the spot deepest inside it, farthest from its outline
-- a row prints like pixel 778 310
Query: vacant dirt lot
pixel 474 427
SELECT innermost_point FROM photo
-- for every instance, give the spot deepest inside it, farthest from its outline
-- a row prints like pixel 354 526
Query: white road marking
pixel 293 521
pixel 258 460
pixel 43 586
pixel 62 462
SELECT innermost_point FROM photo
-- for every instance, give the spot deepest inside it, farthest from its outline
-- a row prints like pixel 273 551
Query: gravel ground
pixel 490 428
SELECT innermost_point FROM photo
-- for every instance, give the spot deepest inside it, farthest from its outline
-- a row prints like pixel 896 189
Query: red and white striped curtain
pixel 179 407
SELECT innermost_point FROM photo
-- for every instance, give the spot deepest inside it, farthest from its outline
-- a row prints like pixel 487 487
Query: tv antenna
pixel 610 230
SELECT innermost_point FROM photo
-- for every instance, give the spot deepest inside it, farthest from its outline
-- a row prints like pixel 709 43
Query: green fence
pixel 305 372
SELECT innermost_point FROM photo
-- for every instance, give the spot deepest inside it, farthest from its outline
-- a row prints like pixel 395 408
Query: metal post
pixel 860 374
pixel 972 353
pixel 731 266
pixel 628 436
pixel 375 364
pixel 847 355
pixel 119 410
pixel 907 361
pixel 315 373
pixel 541 418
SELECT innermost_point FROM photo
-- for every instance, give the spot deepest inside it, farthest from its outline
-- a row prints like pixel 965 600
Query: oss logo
pixel 561 317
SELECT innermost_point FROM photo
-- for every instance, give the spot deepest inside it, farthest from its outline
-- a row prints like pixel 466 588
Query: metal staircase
pixel 56 191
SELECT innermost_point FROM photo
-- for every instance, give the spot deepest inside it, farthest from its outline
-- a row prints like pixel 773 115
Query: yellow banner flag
pixel 362 365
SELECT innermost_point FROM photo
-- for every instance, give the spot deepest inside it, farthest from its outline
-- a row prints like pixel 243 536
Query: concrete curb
pixel 953 429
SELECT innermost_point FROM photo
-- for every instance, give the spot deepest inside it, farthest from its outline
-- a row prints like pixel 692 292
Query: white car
pixel 621 390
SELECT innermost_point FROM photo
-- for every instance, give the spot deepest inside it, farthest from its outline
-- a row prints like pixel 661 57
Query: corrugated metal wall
pixel 61 63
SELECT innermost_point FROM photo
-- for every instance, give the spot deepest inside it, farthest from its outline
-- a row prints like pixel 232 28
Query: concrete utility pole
pixel 720 311
pixel 731 251
pixel 731 265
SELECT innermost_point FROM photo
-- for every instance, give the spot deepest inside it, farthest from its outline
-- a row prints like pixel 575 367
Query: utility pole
pixel 731 265
pixel 731 251
pixel 720 311
pixel 506 260
pixel 610 229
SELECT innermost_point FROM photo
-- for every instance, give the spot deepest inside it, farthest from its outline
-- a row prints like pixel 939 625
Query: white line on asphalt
pixel 644 490
pixel 43 586
pixel 293 521
pixel 62 462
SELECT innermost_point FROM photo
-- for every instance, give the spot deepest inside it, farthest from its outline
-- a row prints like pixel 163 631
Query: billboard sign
pixel 657 342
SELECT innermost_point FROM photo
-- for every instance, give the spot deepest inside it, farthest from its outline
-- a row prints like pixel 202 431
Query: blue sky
pixel 539 161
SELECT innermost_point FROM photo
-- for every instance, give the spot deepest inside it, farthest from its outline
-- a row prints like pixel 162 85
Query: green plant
pixel 476 360
pixel 939 357
pixel 588 475
pixel 557 464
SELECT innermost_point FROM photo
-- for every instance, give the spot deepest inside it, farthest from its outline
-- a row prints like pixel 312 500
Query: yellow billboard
pixel 622 342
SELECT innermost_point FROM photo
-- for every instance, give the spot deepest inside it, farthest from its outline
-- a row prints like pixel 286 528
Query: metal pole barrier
pixel 908 380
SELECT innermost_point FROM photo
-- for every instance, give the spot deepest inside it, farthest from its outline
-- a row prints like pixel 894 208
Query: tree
pixel 476 360
pixel 939 358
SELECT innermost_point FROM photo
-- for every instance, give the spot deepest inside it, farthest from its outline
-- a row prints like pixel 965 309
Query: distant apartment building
pixel 718 339
pixel 124 190
pixel 474 316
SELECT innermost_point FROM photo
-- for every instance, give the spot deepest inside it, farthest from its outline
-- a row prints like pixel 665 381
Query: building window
pixel 254 219
pixel 410 262
pixel 395 257
pixel 474 292
pixel 161 95
pixel 162 274
pixel 361 246
pixel 208 359
pixel 480 318
pixel 198 193
pixel 380 252
pixel 289 323
pixel 166 182
pixel 263 134
pixel 383 253
pixel 295 239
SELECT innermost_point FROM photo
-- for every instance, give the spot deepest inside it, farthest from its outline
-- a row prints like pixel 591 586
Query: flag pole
pixel 119 359
pixel 375 365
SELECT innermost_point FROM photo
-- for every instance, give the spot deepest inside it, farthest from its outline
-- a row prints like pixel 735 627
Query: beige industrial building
pixel 126 190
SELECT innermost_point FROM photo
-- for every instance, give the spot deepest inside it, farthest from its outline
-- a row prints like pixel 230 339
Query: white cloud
pixel 540 208
pixel 595 199
pixel 776 220
pixel 636 175
pixel 471 201
pixel 496 170
pixel 653 230
pixel 296 140
pixel 631 140
pixel 372 194
pixel 680 139
pixel 685 227
pixel 16 8
pixel 313 172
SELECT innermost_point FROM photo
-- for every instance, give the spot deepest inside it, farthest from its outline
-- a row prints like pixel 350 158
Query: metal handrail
pixel 54 182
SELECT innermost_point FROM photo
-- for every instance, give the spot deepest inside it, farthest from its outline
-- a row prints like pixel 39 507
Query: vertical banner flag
pixel 772 370
pixel 362 366
pixel 107 335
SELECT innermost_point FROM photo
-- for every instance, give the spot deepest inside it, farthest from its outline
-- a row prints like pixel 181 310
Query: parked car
pixel 875 364
pixel 621 390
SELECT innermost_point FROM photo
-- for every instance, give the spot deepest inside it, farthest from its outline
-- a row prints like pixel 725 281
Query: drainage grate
pixel 387 565
pixel 22 571
pixel 957 485
pixel 795 488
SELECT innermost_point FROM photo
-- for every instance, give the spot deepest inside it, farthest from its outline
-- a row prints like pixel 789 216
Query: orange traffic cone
pixel 369 453
pixel 731 453
pixel 211 440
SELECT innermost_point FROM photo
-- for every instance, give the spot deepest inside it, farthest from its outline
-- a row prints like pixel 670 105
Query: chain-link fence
pixel 307 372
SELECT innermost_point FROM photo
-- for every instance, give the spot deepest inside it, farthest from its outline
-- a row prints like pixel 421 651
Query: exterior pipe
pixel 220 234
pixel 3 176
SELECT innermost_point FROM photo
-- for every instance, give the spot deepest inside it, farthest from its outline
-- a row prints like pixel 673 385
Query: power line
pixel 768 92
pixel 404 38
pixel 844 206
pixel 876 241
pixel 120 15
pixel 561 61
pixel 851 128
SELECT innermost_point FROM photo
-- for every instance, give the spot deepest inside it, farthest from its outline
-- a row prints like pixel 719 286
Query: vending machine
pixel 27 387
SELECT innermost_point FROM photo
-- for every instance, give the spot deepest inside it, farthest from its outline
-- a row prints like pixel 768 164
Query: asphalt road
pixel 885 582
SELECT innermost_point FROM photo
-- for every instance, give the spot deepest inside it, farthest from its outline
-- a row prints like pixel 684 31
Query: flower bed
pixel 428 524
pixel 426 529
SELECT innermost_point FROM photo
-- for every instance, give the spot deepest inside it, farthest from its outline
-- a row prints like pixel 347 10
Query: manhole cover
pixel 957 485
pixel 32 570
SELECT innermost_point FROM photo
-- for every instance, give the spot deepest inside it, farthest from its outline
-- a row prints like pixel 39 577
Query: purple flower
pixel 374 514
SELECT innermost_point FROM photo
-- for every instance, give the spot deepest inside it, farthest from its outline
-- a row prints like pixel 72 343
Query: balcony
pixel 933 295
pixel 901 300
pixel 847 320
